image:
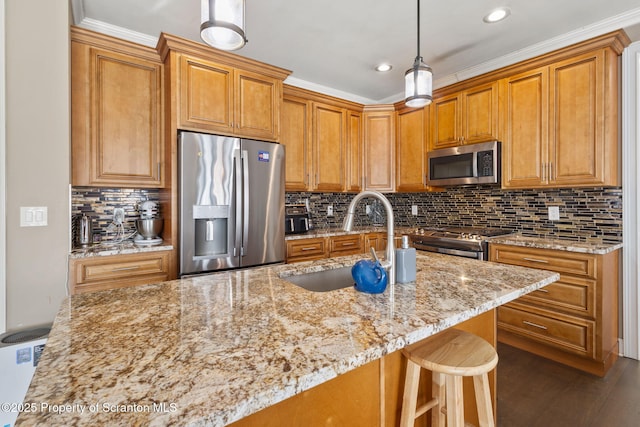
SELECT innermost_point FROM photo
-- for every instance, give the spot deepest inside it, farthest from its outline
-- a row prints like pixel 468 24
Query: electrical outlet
pixel 118 216
pixel 367 209
pixel 414 210
pixel 330 210
pixel 554 213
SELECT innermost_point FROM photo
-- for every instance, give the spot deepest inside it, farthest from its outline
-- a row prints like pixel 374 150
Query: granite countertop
pixel 209 350
pixel 126 247
pixel 558 244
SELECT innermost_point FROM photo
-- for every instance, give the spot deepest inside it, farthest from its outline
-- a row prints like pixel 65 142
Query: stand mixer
pixel 149 225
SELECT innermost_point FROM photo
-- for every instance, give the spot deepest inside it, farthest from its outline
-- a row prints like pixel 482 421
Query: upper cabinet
pixel 411 149
pixel 219 92
pixel 218 98
pixel 465 117
pixel 379 148
pixel 296 137
pixel 116 112
pixel 561 123
pixel 323 139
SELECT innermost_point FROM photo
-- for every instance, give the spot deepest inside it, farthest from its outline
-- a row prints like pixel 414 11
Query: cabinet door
pixel 257 106
pixel 296 137
pixel 525 112
pixel 328 147
pixel 445 122
pixel 119 97
pixel 206 95
pixel 576 137
pixel 411 150
pixel 379 135
pixel 354 151
pixel 480 115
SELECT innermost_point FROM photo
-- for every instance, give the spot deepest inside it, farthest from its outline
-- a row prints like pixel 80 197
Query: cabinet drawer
pixel 560 261
pixel 306 249
pixel 101 273
pixel 345 245
pixel 574 295
pixel 567 333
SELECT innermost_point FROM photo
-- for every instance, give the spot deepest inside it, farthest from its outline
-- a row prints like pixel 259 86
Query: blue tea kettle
pixel 370 276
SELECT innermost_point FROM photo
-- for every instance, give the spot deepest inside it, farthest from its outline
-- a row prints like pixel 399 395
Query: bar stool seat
pixel 449 355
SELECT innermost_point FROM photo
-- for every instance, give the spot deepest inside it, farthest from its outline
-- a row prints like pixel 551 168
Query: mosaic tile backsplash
pixel 589 214
pixel 99 203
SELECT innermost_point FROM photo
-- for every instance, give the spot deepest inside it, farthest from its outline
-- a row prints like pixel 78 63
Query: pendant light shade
pixel 418 80
pixel 223 24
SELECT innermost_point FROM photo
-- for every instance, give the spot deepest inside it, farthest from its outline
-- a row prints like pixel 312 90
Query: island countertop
pixel 212 349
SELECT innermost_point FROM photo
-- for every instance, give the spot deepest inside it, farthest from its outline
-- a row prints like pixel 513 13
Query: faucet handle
pixel 375 256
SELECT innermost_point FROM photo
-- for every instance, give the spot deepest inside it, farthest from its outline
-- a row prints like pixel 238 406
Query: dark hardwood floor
pixel 536 392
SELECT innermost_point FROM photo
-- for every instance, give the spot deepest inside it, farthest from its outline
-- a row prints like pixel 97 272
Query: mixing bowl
pixel 149 228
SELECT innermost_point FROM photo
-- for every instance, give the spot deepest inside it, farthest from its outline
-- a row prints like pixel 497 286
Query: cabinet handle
pixel 543 290
pixel 535 325
pixel 126 268
pixel 311 248
pixel 536 260
pixel 348 243
pixel 544 172
pixel 551 171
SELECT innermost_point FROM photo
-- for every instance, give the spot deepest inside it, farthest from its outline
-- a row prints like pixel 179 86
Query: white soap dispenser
pixel 405 262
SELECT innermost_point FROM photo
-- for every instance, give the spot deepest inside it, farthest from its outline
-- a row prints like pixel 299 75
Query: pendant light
pixel 223 23
pixel 418 79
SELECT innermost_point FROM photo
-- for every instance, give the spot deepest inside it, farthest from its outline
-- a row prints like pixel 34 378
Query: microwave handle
pixel 475 164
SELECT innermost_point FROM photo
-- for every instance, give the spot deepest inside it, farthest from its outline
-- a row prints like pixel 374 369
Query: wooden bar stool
pixel 449 355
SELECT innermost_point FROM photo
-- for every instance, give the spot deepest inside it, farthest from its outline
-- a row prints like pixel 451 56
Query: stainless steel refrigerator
pixel 231 202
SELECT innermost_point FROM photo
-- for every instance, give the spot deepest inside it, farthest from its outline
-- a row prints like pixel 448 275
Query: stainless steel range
pixel 467 242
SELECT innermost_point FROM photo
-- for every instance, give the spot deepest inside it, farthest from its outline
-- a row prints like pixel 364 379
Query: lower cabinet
pixel 309 249
pixel 118 271
pixel 572 321
pixel 370 395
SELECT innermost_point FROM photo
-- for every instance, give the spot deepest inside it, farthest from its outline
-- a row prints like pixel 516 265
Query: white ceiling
pixel 333 45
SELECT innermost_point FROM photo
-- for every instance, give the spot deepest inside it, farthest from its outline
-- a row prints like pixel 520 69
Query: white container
pixel 405 262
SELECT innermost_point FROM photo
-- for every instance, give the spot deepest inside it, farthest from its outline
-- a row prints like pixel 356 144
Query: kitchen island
pixel 213 349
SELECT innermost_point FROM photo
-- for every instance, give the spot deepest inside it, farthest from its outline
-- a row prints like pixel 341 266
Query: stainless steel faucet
pixel 390 255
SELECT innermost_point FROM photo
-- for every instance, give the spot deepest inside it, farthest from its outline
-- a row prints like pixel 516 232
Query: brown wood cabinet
pixel 348 244
pixel 561 123
pixel 223 99
pixel 296 137
pixel 323 136
pixel 411 149
pixel 306 249
pixel 117 110
pixel 118 271
pixel 355 150
pixel 466 117
pixel 574 320
pixel 377 241
pixel 329 147
pixel 379 148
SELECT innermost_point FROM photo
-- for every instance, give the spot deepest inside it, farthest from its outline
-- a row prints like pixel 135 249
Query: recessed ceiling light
pixel 497 15
pixel 384 67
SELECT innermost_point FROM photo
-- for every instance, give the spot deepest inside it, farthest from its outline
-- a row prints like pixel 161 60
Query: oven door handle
pixel 449 251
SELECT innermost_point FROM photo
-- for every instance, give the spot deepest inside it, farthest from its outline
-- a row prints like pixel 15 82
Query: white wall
pixel 37 157
pixel 630 199
pixel 3 268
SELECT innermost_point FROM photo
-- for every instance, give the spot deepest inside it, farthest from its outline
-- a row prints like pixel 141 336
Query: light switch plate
pixel 414 210
pixel 33 216
pixel 330 210
pixel 554 213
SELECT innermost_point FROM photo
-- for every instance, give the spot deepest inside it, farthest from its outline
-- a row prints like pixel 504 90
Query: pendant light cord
pixel 418 52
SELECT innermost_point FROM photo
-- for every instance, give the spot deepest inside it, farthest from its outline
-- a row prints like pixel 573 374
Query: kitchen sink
pixel 323 281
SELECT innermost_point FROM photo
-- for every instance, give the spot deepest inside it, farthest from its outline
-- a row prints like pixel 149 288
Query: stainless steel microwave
pixel 465 165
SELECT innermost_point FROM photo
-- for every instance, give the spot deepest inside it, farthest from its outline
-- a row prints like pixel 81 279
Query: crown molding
pixel 613 23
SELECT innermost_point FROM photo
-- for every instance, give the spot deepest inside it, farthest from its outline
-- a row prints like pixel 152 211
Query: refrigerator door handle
pixel 246 198
pixel 239 189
